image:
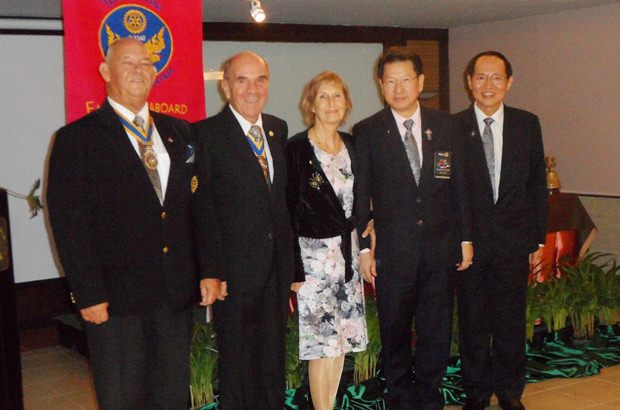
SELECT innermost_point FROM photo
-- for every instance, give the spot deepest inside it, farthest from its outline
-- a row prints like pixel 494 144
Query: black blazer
pixel 315 209
pixel 516 224
pixel 115 241
pixel 243 226
pixel 427 221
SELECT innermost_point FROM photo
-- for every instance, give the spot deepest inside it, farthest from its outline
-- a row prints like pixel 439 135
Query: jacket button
pixel 420 222
pixel 418 200
pixel 270 235
pixel 165 249
pixel 164 215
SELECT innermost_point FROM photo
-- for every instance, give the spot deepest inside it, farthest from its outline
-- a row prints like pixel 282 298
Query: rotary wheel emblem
pixel 134 21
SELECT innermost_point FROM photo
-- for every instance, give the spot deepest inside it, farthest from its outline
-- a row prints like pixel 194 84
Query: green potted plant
pixel 203 362
pixel 366 361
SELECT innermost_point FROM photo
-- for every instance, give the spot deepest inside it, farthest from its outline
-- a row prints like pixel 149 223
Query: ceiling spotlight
pixel 257 12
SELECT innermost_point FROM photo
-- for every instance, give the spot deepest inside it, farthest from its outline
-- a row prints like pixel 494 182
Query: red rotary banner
pixel 173 33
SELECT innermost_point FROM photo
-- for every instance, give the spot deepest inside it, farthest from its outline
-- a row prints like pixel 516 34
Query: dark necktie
pixel 258 146
pixel 149 159
pixel 411 147
pixel 489 153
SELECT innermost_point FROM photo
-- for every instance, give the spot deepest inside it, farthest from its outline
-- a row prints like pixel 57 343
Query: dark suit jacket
pixel 243 226
pixel 109 227
pixel 411 222
pixel 315 211
pixel 516 224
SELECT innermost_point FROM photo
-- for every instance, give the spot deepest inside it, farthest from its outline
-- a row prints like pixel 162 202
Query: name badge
pixel 443 164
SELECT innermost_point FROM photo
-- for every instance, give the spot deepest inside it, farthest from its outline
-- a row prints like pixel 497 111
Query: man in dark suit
pixel 506 175
pixel 118 196
pixel 413 174
pixel 244 236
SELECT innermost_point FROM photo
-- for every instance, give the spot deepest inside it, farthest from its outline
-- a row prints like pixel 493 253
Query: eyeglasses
pixel 495 78
pixel 404 81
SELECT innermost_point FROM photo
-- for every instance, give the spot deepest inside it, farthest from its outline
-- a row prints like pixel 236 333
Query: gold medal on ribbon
pixel 150 159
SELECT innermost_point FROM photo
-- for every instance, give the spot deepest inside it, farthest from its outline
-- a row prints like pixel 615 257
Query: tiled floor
pixel 56 378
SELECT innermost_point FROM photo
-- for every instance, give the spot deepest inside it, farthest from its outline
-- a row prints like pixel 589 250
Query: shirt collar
pixel 498 116
pixel 127 113
pixel 416 117
pixel 245 124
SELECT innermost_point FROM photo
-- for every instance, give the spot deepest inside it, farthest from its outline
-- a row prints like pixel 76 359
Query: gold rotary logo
pixel 134 21
pixel 142 24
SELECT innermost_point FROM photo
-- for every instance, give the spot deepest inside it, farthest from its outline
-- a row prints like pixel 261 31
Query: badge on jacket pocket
pixel 443 164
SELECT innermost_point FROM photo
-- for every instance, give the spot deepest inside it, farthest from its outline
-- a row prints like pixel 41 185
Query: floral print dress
pixel 332 319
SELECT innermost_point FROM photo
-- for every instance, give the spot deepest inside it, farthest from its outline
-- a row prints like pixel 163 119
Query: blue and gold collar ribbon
pixel 258 148
pixel 144 137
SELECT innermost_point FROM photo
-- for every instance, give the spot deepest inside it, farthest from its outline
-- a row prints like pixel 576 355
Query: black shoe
pixel 475 404
pixel 513 404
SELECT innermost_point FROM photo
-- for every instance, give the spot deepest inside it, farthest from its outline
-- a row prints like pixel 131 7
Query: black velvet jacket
pixel 315 209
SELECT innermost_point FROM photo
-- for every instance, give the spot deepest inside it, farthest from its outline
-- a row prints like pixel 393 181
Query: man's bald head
pixel 128 72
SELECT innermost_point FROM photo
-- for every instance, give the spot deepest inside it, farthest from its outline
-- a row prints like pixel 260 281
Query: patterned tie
pixel 149 160
pixel 489 153
pixel 255 135
pixel 411 147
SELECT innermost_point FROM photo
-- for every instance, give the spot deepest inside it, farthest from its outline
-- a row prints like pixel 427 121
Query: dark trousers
pixel 422 293
pixel 250 329
pixel 142 361
pixel 491 308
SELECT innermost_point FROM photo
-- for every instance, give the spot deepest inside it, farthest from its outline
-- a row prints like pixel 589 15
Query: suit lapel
pixel 277 156
pixel 175 146
pixel 240 142
pixel 428 151
pixel 474 139
pixel 115 139
pixel 509 147
pixel 395 143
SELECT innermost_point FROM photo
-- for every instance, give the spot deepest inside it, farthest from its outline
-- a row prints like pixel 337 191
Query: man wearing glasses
pixel 506 175
pixel 410 167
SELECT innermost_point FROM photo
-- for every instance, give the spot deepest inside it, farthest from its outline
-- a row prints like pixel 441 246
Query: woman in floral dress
pixel 320 195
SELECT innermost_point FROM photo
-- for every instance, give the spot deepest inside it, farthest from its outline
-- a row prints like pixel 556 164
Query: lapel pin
pixel 271 134
pixel 429 134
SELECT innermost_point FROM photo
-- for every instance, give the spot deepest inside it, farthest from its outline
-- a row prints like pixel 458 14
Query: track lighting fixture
pixel 257 12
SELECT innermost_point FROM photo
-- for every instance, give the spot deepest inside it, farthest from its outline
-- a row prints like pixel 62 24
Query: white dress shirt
pixel 163 158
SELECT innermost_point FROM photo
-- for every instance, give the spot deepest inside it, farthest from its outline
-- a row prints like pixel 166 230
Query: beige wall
pixel 567 71
pixel 605 213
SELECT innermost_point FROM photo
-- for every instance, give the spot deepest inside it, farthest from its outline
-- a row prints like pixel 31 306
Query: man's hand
pixel 368 266
pixel 96 314
pixel 467 249
pixel 295 286
pixel 370 230
pixel 536 256
pixel 211 289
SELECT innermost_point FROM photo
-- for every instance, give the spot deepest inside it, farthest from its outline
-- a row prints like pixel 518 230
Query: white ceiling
pixel 401 13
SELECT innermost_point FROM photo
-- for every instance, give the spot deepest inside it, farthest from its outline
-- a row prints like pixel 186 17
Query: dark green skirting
pixel 557 355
